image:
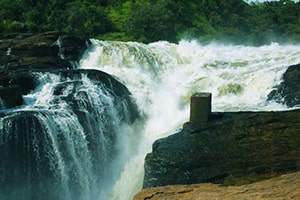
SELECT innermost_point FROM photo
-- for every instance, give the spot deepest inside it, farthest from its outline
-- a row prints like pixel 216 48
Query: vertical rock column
pixel 200 108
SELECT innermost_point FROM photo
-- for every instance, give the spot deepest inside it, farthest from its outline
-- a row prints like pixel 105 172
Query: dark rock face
pixel 20 54
pixel 43 50
pixel 288 91
pixel 232 148
pixel 101 79
pixel 72 47
pixel 11 96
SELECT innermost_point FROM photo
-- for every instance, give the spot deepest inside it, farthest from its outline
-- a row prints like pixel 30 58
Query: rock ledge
pixel 279 188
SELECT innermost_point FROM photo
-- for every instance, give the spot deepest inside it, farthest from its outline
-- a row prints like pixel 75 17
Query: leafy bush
pixel 232 21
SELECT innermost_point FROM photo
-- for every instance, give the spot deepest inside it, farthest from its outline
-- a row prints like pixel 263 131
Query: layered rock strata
pixel 20 54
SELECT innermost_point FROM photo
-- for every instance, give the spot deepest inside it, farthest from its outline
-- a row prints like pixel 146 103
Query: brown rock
pixel 279 188
pixel 48 50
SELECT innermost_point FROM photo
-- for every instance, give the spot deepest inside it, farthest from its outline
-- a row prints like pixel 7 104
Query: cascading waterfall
pixel 162 77
pixel 62 143
pixel 73 138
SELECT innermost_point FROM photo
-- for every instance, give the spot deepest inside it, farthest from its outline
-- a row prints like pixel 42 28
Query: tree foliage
pixel 146 21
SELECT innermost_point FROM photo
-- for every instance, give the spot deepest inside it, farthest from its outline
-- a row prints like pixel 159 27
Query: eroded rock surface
pixel 232 149
pixel 22 54
pixel 279 188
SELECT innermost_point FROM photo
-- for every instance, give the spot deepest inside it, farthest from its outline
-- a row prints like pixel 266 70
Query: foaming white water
pixel 162 77
pixel 81 124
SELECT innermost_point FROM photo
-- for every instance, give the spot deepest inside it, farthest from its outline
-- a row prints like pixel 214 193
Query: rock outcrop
pixel 20 54
pixel 279 188
pixel 42 50
pixel 231 149
pixel 232 154
pixel 288 91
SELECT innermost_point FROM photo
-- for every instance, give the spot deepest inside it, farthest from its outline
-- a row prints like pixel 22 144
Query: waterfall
pixel 2 106
pixel 162 76
pixel 80 136
pixel 63 143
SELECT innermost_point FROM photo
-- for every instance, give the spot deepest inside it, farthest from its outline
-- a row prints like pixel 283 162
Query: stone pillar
pixel 200 108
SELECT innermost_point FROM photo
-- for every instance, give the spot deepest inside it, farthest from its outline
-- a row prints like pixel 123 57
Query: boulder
pixel 232 149
pixel 103 80
pixel 72 47
pixel 25 79
pixel 288 91
pixel 11 96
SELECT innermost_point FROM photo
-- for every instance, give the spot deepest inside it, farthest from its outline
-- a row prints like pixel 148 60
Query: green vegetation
pixel 232 21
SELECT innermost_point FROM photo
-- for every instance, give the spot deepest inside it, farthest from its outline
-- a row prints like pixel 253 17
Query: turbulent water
pixel 63 142
pixel 79 134
pixel 162 77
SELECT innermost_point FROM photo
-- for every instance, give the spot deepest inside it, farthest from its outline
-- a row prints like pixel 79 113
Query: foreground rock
pixel 232 149
pixel 283 187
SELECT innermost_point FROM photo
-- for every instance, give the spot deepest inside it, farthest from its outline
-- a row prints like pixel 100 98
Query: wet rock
pixel 102 80
pixel 11 96
pixel 23 54
pixel 22 78
pixel 288 91
pixel 232 149
pixel 72 48
pixel 42 50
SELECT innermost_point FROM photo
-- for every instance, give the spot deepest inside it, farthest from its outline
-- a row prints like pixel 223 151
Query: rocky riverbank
pixel 231 149
pixel 233 152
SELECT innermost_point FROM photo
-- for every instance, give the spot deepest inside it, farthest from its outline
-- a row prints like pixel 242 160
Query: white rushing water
pixel 80 154
pixel 162 77
pixel 102 117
